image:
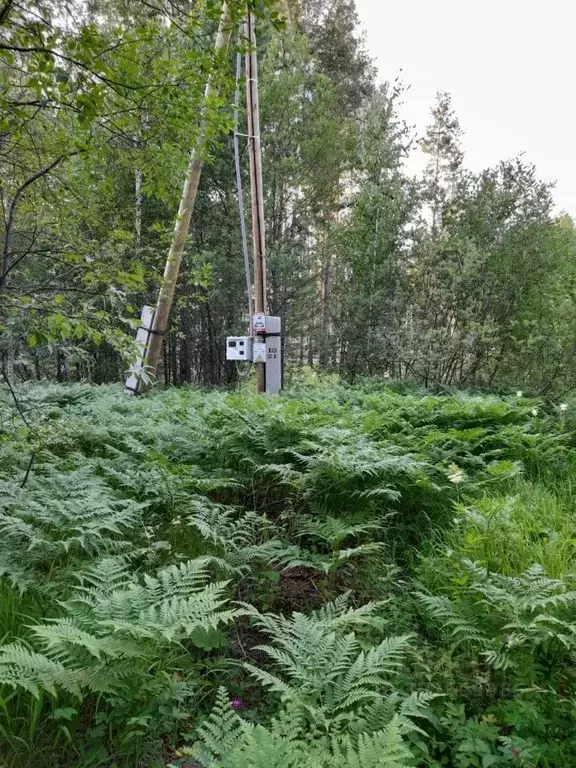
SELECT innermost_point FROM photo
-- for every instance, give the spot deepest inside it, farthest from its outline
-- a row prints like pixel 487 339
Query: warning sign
pixel 258 323
pixel 259 352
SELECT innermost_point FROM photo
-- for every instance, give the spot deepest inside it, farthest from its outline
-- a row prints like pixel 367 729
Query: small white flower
pixel 563 406
pixel 456 475
pixel 534 411
pixel 519 393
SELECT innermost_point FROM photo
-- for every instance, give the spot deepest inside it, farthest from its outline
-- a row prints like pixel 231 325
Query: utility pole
pixel 263 345
pixel 256 185
pixel 174 260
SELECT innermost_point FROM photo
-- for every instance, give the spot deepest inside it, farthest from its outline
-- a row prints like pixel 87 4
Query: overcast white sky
pixel 508 64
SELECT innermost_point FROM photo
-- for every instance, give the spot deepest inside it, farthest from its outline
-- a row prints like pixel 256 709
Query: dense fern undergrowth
pixel 341 576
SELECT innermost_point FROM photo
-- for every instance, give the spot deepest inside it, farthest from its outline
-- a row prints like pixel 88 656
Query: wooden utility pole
pixel 256 186
pixel 174 260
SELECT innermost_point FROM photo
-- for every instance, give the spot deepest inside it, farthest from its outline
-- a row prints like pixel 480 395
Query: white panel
pixel 239 348
pixel 259 352
pixel 142 338
pixel 146 317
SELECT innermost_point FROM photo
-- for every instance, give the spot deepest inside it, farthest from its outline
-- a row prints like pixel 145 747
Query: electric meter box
pixel 239 348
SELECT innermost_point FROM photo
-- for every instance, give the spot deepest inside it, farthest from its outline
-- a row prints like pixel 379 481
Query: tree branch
pixel 12 211
pixel 80 64
pixel 5 10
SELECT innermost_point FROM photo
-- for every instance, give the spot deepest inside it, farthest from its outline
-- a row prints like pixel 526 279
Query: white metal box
pixel 239 348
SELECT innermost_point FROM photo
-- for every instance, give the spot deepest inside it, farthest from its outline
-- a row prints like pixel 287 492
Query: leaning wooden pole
pixel 256 185
pixel 174 260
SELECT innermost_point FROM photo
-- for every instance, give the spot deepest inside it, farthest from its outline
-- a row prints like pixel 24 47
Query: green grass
pixel 158 542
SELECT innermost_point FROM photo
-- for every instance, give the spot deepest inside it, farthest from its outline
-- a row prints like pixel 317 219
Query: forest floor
pixel 343 575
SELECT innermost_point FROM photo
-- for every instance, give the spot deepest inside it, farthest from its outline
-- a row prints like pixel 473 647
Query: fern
pixel 227 529
pixel 33 672
pixel 114 630
pixel 334 531
pixel 166 608
pixel 20 576
pixel 245 540
pixel 382 749
pixel 227 741
pixel 140 626
pixel 513 621
pixel 459 620
pixel 322 667
pixel 222 731
pixel 61 514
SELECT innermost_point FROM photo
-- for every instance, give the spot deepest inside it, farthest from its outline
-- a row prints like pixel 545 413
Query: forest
pixel 374 568
pixel 372 272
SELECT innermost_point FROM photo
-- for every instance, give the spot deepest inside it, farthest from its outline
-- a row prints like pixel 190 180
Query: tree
pixel 373 242
pixel 339 47
pixel 443 171
pixel 304 154
pixel 473 279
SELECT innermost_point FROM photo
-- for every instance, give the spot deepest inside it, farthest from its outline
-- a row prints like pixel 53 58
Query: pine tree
pixel 442 143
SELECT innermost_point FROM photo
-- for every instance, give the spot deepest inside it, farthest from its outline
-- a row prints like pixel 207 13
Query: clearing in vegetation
pixel 343 576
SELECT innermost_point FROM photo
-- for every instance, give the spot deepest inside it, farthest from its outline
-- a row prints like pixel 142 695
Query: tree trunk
pixel 61 367
pixel 174 260
pixel 138 209
pixel 324 349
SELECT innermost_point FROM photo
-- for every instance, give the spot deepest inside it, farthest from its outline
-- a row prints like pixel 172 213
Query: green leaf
pixel 273 576
pixel 64 713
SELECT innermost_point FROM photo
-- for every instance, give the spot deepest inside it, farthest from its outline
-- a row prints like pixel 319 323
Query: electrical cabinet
pixel 239 348
pixel 264 347
pixel 273 355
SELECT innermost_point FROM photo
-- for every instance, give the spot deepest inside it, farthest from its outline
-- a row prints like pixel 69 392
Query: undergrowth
pixel 339 576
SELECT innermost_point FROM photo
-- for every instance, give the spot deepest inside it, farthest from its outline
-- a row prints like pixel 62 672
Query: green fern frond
pixel 19 576
pixel 45 520
pixel 223 728
pixel 383 749
pixel 108 625
pixel 227 741
pixel 62 639
pixel 105 575
pixel 33 672
pixel 463 629
pixel 380 492
pixel 320 663
pixel 332 530
pixel 338 615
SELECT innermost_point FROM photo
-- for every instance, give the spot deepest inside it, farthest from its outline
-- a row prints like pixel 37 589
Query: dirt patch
pixel 297 591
